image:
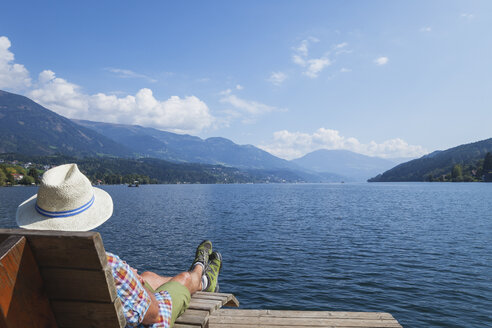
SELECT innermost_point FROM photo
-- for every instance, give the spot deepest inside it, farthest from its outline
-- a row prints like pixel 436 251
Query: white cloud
pixel 126 73
pixel 59 95
pixel 381 61
pixel 182 115
pixel 313 66
pixel 426 29
pixel 239 87
pixel 242 109
pixel 341 48
pixel 303 48
pixel 467 16
pixel 248 106
pixel 341 45
pixel 290 145
pixel 299 60
pixel 345 70
pixel 13 77
pixel 236 108
pixel 225 92
pixel 203 80
pixel 277 78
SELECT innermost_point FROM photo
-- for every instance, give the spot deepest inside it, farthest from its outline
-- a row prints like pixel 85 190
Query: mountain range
pixel 149 142
pixel 322 165
pixel 31 129
pixel 28 128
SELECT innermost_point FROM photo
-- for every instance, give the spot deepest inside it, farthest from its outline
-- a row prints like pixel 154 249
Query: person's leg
pixel 183 285
pixel 179 288
pixel 191 280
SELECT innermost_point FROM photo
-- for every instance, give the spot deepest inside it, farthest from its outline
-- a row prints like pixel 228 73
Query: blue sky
pixel 382 78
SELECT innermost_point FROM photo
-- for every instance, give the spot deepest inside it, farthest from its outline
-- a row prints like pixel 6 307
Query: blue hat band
pixel 64 214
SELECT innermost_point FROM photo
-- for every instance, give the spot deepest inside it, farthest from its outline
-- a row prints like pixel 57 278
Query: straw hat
pixel 65 201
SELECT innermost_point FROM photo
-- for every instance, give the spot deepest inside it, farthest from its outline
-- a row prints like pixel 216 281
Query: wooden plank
pixel 47 233
pixel 71 314
pixel 203 303
pixel 228 299
pixel 190 318
pixel 81 285
pixel 82 250
pixel 245 325
pixel 207 305
pixel 23 302
pixel 194 312
pixel 299 322
pixel 183 325
pixel 304 314
pixel 211 302
pixel 119 312
pixel 10 256
pixel 223 299
pixel 201 293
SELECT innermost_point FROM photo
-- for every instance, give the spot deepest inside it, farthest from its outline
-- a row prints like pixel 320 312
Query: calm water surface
pixel 422 252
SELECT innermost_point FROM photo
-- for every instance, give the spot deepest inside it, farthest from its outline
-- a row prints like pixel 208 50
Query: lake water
pixel 420 251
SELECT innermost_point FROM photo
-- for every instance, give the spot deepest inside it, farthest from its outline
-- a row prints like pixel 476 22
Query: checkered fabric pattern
pixel 135 298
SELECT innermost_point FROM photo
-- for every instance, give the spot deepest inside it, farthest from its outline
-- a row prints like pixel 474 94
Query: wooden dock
pixel 206 311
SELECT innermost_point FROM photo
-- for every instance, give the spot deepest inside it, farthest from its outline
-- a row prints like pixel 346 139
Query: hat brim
pixel 101 210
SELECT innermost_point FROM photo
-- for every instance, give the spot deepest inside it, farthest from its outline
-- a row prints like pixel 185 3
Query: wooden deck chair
pixel 56 279
pixel 62 279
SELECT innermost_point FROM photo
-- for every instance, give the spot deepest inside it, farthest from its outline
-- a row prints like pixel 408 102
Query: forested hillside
pixel 462 163
pixel 119 170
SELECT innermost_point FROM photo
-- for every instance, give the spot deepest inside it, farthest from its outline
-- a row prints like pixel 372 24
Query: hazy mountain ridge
pixel 437 163
pixel 352 166
pixel 29 128
pixel 222 151
pixel 185 148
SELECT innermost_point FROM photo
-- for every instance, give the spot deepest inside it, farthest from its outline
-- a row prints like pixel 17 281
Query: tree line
pixel 10 176
pixel 480 171
pixel 8 173
pixel 106 170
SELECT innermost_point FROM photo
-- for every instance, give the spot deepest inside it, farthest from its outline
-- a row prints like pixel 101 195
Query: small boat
pixel 134 184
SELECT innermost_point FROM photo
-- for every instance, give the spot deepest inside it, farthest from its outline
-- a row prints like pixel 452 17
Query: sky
pixel 382 78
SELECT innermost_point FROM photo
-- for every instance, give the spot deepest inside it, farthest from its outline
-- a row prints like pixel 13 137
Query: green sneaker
pixel 203 251
pixel 212 272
